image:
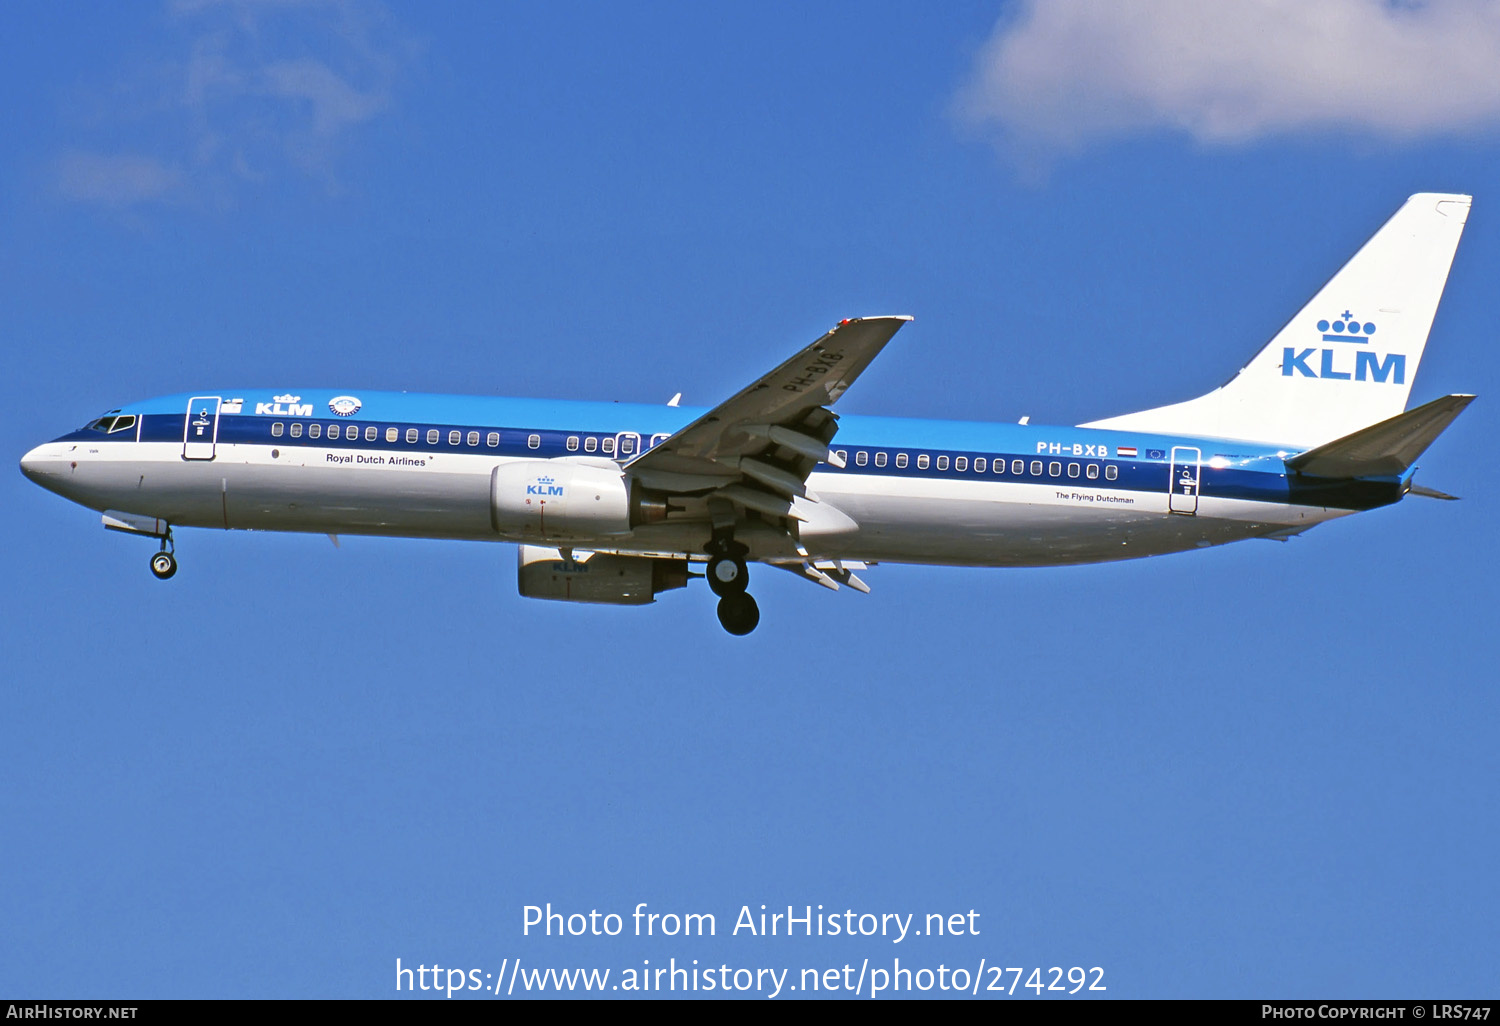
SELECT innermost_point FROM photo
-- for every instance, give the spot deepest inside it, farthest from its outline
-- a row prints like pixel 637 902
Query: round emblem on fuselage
pixel 344 405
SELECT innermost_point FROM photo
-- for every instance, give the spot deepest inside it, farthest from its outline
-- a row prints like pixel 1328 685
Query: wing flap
pixel 787 398
pixel 830 573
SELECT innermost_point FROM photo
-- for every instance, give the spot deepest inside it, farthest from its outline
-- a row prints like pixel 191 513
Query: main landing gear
pixel 728 576
pixel 164 563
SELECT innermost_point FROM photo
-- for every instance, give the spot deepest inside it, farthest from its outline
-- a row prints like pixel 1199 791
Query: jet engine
pixel 545 573
pixel 559 499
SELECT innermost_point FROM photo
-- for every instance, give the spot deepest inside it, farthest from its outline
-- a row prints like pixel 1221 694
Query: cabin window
pixel 627 445
pixel 861 458
pixel 392 434
pixel 590 444
pixel 314 429
pixel 923 460
pixel 942 463
pixel 607 446
pixel 1054 469
pixel 473 438
pixel 276 429
pixel 1036 468
pixel 352 432
pixel 961 463
pixel 880 459
pixel 296 430
pixel 572 443
pixel 492 439
pixel 533 441
pixel 979 464
pixel 1018 467
pixel 1073 469
pixel 1092 471
pixel 433 435
pixel 371 433
pixel 1111 472
pixel 455 436
pixel 411 436
pixel 900 461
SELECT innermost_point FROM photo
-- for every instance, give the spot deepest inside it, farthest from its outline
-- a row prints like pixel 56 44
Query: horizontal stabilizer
pixel 1386 449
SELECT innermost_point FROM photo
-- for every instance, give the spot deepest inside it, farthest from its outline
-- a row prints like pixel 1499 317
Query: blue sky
pixel 1258 770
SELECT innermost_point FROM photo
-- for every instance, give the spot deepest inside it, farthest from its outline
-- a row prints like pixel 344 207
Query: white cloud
pixel 115 180
pixel 334 102
pixel 1059 74
pixel 238 94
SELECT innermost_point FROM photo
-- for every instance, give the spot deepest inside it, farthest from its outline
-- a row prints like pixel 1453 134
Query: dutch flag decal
pixel 1125 450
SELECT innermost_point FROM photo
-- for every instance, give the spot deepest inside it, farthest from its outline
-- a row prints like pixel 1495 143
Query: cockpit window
pixel 126 423
pixel 106 423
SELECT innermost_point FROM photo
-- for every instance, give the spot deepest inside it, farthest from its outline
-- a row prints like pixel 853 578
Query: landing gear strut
pixel 164 563
pixel 728 576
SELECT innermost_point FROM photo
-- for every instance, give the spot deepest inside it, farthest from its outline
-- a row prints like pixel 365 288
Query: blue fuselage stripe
pixel 1149 472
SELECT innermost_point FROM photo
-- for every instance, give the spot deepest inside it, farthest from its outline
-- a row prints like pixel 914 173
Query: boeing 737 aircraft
pixel 616 503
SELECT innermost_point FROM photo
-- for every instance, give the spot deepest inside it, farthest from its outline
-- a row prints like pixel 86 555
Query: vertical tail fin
pixel 1347 360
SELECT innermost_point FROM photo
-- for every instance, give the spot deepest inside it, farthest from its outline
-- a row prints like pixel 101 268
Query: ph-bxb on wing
pixel 751 455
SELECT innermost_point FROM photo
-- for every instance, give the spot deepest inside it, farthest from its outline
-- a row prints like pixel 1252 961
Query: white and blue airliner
pixel 616 503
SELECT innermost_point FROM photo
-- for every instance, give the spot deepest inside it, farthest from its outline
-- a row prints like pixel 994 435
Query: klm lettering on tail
pixel 1368 365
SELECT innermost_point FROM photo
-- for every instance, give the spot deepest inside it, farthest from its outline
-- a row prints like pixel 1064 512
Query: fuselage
pixel 924 491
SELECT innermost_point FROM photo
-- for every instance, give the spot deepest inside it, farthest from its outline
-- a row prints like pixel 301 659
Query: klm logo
pixel 544 486
pixel 1367 365
pixel 284 406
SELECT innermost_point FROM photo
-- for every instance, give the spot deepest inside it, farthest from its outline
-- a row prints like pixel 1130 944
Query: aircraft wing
pixel 757 448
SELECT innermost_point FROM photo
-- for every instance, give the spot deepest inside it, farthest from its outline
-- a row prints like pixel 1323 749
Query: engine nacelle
pixel 557 499
pixel 545 573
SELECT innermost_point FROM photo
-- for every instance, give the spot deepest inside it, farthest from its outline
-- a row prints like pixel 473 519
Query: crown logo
pixel 544 480
pixel 288 398
pixel 1346 328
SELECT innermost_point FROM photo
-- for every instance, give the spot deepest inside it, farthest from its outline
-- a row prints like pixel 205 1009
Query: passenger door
pixel 1185 476
pixel 200 428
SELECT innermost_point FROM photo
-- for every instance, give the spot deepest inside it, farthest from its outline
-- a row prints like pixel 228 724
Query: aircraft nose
pixel 31 463
pixel 38 464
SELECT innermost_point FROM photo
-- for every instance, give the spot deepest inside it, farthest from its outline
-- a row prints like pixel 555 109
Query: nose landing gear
pixel 164 563
pixel 728 577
